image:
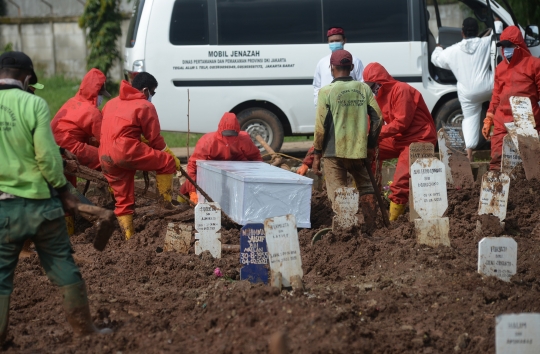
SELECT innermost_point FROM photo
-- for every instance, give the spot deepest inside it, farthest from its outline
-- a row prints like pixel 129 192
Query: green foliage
pixel 102 19
pixel 526 11
pixel 7 48
pixel 57 91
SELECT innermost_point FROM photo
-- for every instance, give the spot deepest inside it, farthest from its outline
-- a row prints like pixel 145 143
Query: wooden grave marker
pixel 454 156
pixel 417 151
pixel 430 201
pixel 497 256
pixel 208 224
pixel 510 156
pixel 517 333
pixel 494 194
pixel 253 254
pixel 284 251
pixel 178 237
pixel 346 208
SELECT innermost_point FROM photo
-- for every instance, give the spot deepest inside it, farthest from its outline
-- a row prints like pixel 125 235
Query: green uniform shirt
pixel 29 156
pixel 341 124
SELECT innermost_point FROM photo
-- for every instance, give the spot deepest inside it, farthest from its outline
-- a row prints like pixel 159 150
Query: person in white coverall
pixel 323 76
pixel 470 62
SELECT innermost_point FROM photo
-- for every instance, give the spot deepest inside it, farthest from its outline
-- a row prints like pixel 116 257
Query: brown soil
pixel 379 294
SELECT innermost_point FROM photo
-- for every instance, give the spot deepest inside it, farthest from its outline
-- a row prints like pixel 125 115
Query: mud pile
pixel 378 294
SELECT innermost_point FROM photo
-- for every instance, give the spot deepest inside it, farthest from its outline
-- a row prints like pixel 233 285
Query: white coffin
pixel 254 191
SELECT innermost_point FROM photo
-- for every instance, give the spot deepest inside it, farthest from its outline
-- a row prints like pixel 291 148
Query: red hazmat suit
pixel 125 119
pixel 79 119
pixel 214 146
pixel 407 119
pixel 519 77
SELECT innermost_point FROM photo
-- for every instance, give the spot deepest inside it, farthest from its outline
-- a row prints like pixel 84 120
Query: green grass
pixel 59 89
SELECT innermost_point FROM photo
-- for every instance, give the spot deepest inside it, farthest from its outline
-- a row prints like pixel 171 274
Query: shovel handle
pixel 377 194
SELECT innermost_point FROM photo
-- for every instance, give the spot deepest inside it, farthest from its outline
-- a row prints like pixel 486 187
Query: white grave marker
pixel 523 116
pixel 283 248
pixel 494 194
pixel 517 333
pixel 430 201
pixel 453 155
pixel 497 256
pixel 178 238
pixel 208 224
pixel 526 135
pixel 429 183
pixel 510 156
pixel 417 151
pixel 346 208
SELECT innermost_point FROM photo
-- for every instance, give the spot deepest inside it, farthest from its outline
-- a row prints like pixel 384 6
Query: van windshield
pixel 134 23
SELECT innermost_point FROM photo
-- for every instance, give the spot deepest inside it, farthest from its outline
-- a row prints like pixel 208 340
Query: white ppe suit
pixel 323 75
pixel 470 62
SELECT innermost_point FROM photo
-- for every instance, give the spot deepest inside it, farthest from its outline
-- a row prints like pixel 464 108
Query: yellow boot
pixel 70 224
pixel 396 210
pixel 164 186
pixel 126 224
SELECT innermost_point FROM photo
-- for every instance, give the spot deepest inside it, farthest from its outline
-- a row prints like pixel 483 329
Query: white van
pixel 256 58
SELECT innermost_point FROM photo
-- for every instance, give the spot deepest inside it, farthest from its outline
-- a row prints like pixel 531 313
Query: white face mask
pixel 149 97
pixel 99 100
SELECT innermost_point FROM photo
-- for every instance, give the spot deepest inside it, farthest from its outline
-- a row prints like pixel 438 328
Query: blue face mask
pixel 508 52
pixel 335 46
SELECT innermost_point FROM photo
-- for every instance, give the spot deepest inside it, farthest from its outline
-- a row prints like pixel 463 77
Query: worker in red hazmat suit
pixel 126 120
pixel 407 120
pixel 77 125
pixel 518 74
pixel 228 143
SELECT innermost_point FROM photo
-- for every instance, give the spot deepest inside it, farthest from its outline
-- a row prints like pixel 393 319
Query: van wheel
pixel 260 121
pixel 450 114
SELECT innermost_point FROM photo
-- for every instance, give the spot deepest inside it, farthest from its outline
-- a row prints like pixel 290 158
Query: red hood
pixel 513 34
pixel 375 72
pixel 128 92
pixel 91 85
pixel 228 122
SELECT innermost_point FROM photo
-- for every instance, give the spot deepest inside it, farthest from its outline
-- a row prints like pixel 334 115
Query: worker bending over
pixel 518 74
pixel 125 120
pixel 347 125
pixel 228 143
pixel 408 121
pixel 34 195
pixel 470 62
pixel 77 125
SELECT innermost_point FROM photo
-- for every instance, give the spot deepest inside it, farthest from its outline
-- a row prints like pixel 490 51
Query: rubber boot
pixel 164 187
pixel 396 210
pixel 70 224
pixel 369 210
pixel 4 317
pixel 77 310
pixel 126 224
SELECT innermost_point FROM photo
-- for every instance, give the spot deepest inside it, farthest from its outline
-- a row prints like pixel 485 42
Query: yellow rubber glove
pixel 176 160
pixel 144 140
pixel 194 197
pixel 302 170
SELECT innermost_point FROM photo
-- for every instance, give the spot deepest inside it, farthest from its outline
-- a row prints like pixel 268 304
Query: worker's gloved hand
pixel 194 197
pixel 316 168
pixel 71 166
pixel 144 140
pixel 176 161
pixel 488 123
pixel 93 141
pixel 69 202
pixel 302 170
pixel 68 155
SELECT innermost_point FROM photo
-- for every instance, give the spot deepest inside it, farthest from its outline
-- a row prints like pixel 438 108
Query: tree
pixel 526 11
pixel 102 20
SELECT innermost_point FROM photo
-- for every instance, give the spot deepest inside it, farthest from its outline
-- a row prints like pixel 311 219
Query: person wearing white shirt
pixel 323 76
pixel 470 61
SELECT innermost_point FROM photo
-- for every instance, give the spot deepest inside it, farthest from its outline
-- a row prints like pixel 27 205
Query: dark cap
pixel 335 30
pixel 341 57
pixel 470 27
pixel 505 44
pixel 18 60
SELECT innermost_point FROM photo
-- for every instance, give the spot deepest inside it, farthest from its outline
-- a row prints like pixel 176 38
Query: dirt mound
pixel 378 294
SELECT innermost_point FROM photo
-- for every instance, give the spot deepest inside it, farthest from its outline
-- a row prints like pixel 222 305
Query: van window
pixel 369 21
pixel 189 23
pixel 269 21
pixel 134 23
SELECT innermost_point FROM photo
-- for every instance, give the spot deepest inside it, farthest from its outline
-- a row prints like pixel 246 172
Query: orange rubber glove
pixel 302 170
pixel 194 197
pixel 488 123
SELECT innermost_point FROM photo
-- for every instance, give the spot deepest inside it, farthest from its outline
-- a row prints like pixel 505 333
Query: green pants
pixel 42 221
